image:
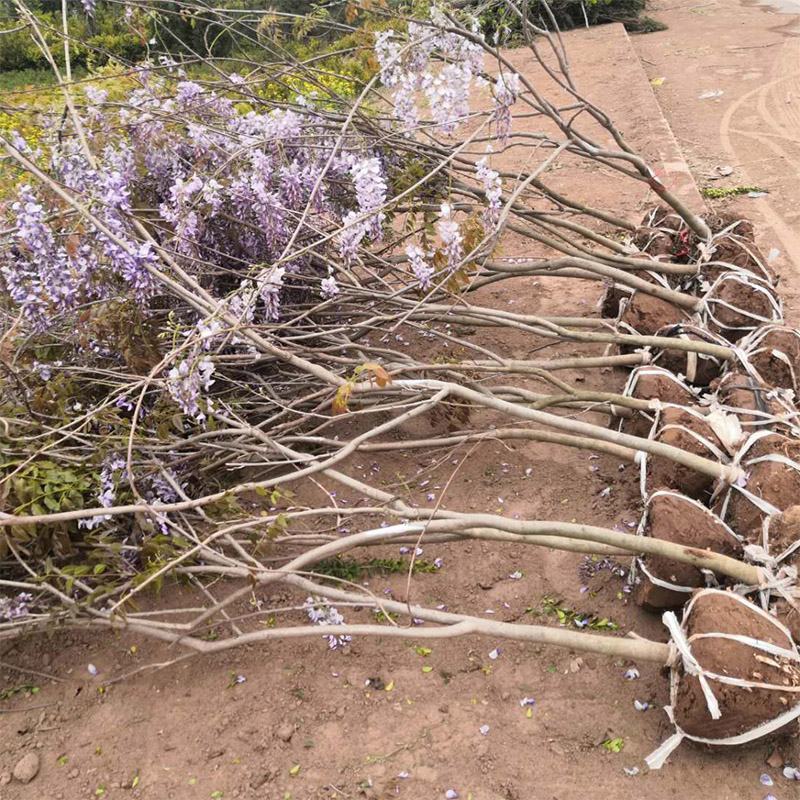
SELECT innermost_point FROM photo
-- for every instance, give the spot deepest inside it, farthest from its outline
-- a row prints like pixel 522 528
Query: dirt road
pixel 727 76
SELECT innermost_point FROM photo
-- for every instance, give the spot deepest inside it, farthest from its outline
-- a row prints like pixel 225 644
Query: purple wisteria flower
pixel 321 612
pixel 450 234
pixel 12 608
pixel 506 91
pixel 421 269
pixel 187 381
pixel 111 467
pixel 492 187
pixel 329 288
pixel 407 69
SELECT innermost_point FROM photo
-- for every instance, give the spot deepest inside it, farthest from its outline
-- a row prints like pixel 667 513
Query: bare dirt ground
pixel 383 719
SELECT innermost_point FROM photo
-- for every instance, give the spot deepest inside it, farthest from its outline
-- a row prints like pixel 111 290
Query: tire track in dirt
pixel 768 103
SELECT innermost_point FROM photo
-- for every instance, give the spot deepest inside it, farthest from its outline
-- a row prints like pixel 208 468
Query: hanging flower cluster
pixel 407 69
pixel 109 472
pixel 443 66
pixel 422 270
pixel 187 382
pixel 231 189
pixel 450 234
pixel 493 190
pixel 245 202
pixel 506 91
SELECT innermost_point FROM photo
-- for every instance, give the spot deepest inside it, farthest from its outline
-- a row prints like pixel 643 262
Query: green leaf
pixel 422 651
pixel 427 668
pixel 614 745
pixel 295 770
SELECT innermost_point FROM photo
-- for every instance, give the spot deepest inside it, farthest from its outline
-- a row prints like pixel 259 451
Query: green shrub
pixel 498 19
pixel 92 42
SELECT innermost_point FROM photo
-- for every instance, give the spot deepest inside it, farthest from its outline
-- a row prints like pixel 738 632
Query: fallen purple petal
pixel 451 794
pixel 527 701
pixel 631 674
pixel 494 653
pixel 792 773
pixel 483 730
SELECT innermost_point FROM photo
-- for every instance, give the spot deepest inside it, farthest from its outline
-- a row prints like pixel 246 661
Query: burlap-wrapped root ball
pixel 698 369
pixel 660 386
pixel 736 676
pixel 731 251
pixel 687 429
pixel 772 353
pixel 617 296
pixel 646 315
pixel 771 484
pixel 661 582
pixel 738 303
pixel 663 235
pixel 756 405
pixel 780 549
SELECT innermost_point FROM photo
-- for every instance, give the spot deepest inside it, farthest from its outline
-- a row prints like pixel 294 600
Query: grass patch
pixel 568 616
pixel 349 569
pixel 722 192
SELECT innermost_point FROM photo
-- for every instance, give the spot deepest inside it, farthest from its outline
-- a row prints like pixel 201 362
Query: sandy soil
pixel 374 721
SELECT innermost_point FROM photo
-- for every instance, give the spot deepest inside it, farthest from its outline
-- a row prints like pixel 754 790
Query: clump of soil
pixel 646 315
pixel 736 305
pixel 756 405
pixel 742 708
pixel 700 369
pixel 684 428
pixel 789 615
pixel 772 464
pixel 655 243
pixel 648 383
pixel 774 352
pixel 675 518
